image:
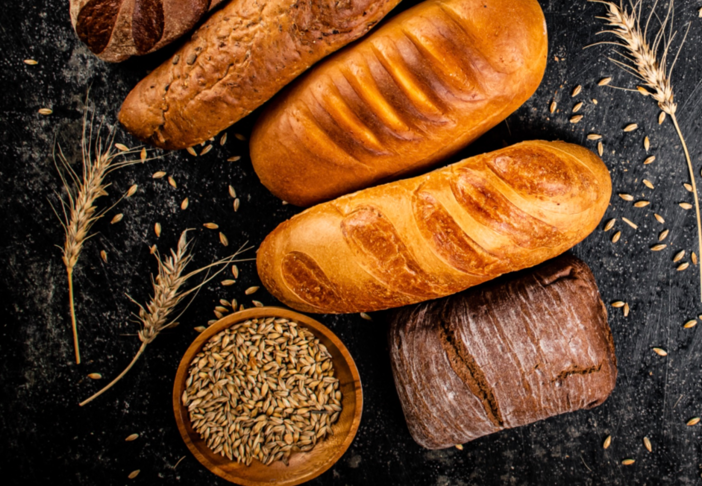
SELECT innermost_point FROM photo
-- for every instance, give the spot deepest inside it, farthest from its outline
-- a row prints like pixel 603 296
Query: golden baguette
pixel 437 234
pixel 427 83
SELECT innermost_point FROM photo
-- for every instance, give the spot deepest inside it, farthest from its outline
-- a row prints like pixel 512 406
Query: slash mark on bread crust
pixel 470 373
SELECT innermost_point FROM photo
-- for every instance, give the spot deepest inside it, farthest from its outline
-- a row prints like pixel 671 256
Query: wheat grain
pixel 552 107
pixel 646 143
pixel 604 81
pixel 184 205
pixel 577 90
pixel 594 136
pixel 660 351
pixel 649 160
pixel 167 295
pixel 577 107
pixel 30 62
pixel 643 62
pixel 610 224
pixel 117 218
pixel 648 184
pixel 172 182
pixel 158 175
pixel 45 111
pixel 630 223
pixel 607 442
pixel 131 437
pixel 223 139
pixel 600 148
pixel 659 218
pixel 191 151
pixel 79 206
pixel 626 197
pixel 575 119
pixel 236 158
pixel 206 150
pixel 631 127
pixel 616 236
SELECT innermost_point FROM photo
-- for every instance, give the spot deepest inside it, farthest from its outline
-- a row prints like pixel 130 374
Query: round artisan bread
pixel 508 353
pixel 118 29
pixel 439 233
pixel 424 85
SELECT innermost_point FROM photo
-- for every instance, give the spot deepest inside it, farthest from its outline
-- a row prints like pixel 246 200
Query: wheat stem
pixel 73 315
pixel 694 191
pixel 119 377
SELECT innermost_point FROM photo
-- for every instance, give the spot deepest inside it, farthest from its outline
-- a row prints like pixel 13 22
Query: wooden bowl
pixel 303 466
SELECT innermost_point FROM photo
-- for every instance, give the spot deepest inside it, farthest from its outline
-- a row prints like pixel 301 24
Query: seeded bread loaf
pixel 427 83
pixel 508 353
pixel 240 57
pixel 118 29
pixel 434 235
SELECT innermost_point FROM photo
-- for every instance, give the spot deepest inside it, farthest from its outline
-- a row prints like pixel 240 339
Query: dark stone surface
pixel 46 437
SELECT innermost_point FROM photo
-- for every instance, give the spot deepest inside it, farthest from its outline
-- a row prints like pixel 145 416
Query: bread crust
pixel 436 234
pixel 425 84
pixel 508 353
pixel 238 59
pixel 118 29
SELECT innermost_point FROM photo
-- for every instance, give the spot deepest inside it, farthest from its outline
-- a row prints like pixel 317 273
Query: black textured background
pixel 44 435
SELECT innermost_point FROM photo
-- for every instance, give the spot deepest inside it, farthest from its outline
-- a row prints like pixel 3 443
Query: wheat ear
pixel 79 210
pixel 168 293
pixel 641 60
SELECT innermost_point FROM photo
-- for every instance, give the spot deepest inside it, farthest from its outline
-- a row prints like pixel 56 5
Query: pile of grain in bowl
pixel 262 389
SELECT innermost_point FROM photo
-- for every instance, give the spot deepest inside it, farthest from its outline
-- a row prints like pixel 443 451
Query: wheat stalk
pixel 641 60
pixel 79 209
pixel 167 294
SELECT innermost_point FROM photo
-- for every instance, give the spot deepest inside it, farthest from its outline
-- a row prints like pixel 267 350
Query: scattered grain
pixel 158 175
pixel 691 323
pixel 239 136
pixel 459 447
pixel 212 226
pixel 600 148
pixel 131 438
pixel 628 462
pixel 191 151
pixel 693 421
pixel 45 111
pixel 683 266
pixel 103 255
pixel 604 81
pixel 30 62
pixel 134 473
pixel 641 204
pixel 257 303
pixel 678 256
pixel 658 247
pixel 223 239
pixel 649 160
pixel 223 139
pixel 594 136
pixel 616 236
pixel 251 290
pixel 648 184
pixel 610 224
pixel 552 108
pixel 688 187
pixel 659 218
pixel 576 119
pixel 577 90
pixel 647 143
pixel 142 154
pixel 232 192
pixel 184 205
pixel 117 218
pixel 228 282
pixel 172 182
pixel 236 158
pixel 617 304
pixel 630 223
pixel 157 229
pixel 626 197
pixel 663 235
pixel 577 107
pixel 607 442
pixel 647 444
pixel 236 204
pixel 121 147
pixel 694 258
pixel 235 271
pixel 365 316
pixel 206 150
pixel 132 190
pixel 685 206
pixel 95 376
pixel 200 329
pixel 660 351
pixel 626 309
pixel 661 118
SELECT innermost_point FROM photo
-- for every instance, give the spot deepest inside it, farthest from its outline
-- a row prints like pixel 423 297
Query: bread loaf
pixel 425 84
pixel 508 353
pixel 240 57
pixel 118 29
pixel 434 235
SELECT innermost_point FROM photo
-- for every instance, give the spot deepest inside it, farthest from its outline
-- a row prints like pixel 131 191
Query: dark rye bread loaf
pixel 524 348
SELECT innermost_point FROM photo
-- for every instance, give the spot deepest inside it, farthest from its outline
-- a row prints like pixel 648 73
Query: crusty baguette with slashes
pixel 436 234
pixel 426 84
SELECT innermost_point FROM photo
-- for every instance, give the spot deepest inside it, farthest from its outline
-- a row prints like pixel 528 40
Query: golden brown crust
pixel 530 346
pixel 439 233
pixel 236 61
pixel 428 82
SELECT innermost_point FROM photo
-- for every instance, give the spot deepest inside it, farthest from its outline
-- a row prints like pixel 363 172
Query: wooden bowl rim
pixel 228 321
